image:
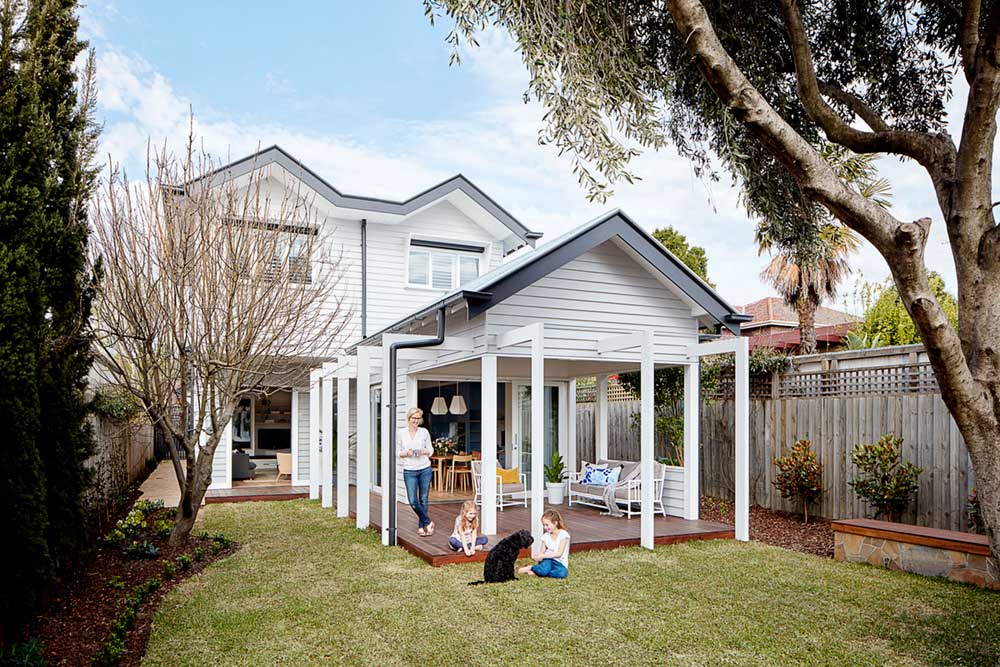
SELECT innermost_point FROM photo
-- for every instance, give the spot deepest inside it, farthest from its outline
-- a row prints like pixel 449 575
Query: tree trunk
pixel 805 511
pixel 807 327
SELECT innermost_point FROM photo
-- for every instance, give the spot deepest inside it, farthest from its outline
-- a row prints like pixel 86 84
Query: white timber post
pixel 571 426
pixel 692 405
pixel 326 455
pixel 601 419
pixel 537 431
pixel 646 441
pixel 388 439
pixel 343 446
pixel 364 445
pixel 294 435
pixel 488 481
pixel 315 432
pixel 742 439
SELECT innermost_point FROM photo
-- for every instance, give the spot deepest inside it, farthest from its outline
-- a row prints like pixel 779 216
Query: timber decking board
pixel 589 529
pixel 254 493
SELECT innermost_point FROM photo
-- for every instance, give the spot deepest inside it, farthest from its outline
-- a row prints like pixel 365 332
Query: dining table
pixel 440 462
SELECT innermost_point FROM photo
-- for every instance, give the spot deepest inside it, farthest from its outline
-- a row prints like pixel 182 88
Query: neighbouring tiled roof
pixel 789 339
pixel 774 311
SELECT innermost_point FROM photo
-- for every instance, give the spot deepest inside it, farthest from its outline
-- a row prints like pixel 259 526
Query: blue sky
pixel 364 95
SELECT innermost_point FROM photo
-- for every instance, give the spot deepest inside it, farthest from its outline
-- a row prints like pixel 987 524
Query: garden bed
pixel 82 611
pixel 779 529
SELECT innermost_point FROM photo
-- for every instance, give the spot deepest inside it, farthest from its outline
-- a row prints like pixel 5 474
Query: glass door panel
pixel 522 440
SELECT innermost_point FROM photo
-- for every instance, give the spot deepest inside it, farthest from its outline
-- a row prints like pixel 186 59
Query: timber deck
pixel 590 529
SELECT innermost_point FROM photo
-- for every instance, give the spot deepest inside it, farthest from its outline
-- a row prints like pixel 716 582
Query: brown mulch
pixel 779 529
pixel 77 620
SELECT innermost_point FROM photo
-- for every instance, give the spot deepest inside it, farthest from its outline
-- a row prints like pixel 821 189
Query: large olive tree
pixel 760 87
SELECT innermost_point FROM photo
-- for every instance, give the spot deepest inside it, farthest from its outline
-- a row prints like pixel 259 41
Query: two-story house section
pixel 394 256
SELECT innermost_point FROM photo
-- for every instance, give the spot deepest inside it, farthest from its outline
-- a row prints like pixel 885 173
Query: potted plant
pixel 554 476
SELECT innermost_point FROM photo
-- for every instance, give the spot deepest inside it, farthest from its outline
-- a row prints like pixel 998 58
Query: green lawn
pixel 309 589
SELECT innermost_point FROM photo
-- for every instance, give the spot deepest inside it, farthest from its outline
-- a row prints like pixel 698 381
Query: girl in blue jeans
pixel 464 537
pixel 414 448
pixel 553 559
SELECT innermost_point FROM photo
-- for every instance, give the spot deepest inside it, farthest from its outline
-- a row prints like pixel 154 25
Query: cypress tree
pixel 65 439
pixel 46 146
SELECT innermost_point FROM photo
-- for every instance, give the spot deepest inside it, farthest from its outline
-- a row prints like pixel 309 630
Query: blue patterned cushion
pixel 601 475
pixel 592 473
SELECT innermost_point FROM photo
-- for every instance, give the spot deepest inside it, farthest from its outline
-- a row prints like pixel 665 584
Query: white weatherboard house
pixel 432 298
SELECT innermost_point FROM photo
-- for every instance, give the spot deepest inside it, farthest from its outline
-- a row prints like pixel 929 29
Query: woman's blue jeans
pixel 418 487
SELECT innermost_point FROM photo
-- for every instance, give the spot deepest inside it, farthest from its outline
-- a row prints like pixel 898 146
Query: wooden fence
pixel 835 409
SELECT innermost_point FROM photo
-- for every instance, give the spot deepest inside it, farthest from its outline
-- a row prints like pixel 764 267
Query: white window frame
pixel 453 255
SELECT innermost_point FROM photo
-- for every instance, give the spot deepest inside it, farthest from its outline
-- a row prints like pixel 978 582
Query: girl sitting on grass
pixel 553 559
pixel 466 525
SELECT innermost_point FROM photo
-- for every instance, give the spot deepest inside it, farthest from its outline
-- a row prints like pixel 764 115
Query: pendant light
pixel 458 403
pixel 439 406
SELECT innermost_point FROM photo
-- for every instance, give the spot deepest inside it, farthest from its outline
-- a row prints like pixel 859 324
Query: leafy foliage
pixel 555 469
pixel 47 142
pixel 144 550
pixel 185 561
pixel 694 257
pixel 116 403
pixel 24 654
pixel 884 480
pixel 113 650
pixel 855 340
pixel 800 476
pixel 885 316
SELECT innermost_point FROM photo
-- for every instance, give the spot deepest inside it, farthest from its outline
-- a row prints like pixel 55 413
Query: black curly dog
pixel 499 565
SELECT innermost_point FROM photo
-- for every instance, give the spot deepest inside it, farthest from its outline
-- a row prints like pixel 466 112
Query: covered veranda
pixel 604 299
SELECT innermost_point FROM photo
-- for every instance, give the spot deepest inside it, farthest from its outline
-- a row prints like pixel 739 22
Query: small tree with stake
pixel 886 482
pixel 800 476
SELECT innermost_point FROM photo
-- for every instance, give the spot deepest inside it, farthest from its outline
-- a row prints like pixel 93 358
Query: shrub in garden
pixel 800 476
pixel 169 569
pixel 885 481
pixel 185 561
pixel 25 654
pixel 140 550
pixel 163 528
pixel 199 553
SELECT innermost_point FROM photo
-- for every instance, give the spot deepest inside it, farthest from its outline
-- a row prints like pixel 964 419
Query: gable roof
pixel 773 310
pixel 503 282
pixel 458 183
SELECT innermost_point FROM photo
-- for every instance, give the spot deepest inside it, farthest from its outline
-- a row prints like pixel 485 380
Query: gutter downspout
pixel 364 278
pixel 391 426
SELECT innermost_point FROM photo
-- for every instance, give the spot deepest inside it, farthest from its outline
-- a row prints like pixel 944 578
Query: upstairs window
pixel 442 266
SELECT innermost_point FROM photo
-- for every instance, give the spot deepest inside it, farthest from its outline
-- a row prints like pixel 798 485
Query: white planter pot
pixel 556 493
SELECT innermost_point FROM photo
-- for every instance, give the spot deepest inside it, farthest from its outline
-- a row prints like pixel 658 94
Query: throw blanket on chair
pixel 610 501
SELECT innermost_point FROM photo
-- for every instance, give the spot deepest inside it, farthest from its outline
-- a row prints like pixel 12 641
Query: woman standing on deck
pixel 414 448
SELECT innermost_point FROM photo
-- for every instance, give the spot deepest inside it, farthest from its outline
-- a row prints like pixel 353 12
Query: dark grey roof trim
pixel 447 245
pixel 616 224
pixel 278 155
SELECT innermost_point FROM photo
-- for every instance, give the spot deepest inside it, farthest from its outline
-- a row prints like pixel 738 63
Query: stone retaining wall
pixel 960 566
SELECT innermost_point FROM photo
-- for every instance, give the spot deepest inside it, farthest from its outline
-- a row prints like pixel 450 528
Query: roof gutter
pixel 391 426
